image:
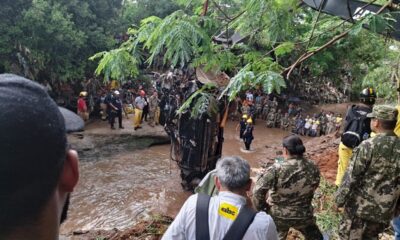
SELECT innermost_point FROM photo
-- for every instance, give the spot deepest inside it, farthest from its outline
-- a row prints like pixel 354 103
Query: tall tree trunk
pixel 205 8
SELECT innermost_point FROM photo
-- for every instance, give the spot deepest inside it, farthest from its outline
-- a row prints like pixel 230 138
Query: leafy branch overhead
pixel 249 78
pixel 280 38
pixel 202 102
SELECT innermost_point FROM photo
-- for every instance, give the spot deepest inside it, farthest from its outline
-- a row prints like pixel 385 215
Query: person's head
pixel 233 174
pixel 368 96
pixel 83 94
pixel 293 146
pixel 383 118
pixel 244 117
pixel 142 93
pixel 249 121
pixel 116 93
pixel 155 94
pixel 37 170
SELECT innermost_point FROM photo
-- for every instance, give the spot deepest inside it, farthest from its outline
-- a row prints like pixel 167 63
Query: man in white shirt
pixel 232 181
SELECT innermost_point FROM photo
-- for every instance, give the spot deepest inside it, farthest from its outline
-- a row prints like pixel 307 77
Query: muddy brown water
pixel 122 184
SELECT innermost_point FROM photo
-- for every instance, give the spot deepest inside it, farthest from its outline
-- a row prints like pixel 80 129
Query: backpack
pixel 357 127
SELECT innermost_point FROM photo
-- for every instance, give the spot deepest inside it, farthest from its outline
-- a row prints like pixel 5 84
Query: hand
pixel 338 209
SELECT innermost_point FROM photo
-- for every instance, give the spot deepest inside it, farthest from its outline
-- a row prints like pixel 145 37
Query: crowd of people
pixel 38 172
pixel 289 118
pixel 123 100
pixel 259 106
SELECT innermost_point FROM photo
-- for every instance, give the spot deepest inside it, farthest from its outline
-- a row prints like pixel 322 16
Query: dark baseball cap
pixel 33 145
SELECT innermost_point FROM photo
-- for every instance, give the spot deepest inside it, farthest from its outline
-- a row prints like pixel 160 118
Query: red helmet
pixel 142 93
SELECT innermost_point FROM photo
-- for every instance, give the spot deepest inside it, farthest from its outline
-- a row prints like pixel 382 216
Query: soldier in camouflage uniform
pixel 271 118
pixel 266 108
pixel 274 104
pixel 285 190
pixel 154 109
pixel 323 124
pixel 278 118
pixel 285 122
pixel 371 184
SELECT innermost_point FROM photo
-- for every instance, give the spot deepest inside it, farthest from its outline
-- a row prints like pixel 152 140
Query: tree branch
pixel 309 54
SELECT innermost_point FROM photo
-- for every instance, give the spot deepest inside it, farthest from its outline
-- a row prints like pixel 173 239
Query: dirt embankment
pixel 324 151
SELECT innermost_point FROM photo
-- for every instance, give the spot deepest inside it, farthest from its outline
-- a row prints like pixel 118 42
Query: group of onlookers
pixel 126 100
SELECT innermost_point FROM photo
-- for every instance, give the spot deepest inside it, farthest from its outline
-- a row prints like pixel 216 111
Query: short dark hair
pixel 387 124
pixel 32 150
pixel 294 145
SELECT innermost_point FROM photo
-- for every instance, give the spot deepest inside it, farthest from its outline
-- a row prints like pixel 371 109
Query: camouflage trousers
pixel 307 227
pixel 354 228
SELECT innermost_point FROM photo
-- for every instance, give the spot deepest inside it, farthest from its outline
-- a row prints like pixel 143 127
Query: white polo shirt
pixel 220 220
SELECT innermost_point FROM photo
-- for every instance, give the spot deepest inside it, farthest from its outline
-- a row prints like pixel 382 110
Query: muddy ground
pixel 130 190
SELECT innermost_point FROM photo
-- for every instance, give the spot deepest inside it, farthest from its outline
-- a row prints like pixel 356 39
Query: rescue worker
pixel 82 109
pixel 242 126
pixel 367 100
pixel 370 188
pixel 248 134
pixel 140 103
pixel 116 111
pixel 338 121
pixel 214 218
pixel 285 190
pixel 154 109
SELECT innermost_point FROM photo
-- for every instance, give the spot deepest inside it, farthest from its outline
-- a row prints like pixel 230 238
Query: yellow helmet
pixel 83 94
pixel 244 116
pixel 249 120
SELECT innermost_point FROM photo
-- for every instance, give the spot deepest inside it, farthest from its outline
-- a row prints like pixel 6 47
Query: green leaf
pixel 284 48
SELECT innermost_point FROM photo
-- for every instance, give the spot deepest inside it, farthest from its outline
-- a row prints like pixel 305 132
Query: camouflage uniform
pixel 154 110
pixel 271 118
pixel 289 188
pixel 274 105
pixel 371 184
pixel 330 125
pixel 323 125
pixel 258 110
pixel 285 122
pixel 278 118
pixel 265 110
